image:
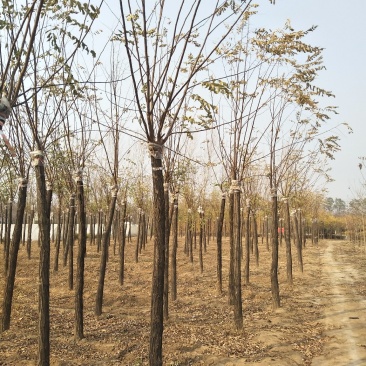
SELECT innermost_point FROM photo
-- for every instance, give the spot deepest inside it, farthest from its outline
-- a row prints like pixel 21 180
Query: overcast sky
pixel 342 32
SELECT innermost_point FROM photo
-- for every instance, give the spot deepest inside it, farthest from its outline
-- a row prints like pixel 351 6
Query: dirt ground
pixel 320 322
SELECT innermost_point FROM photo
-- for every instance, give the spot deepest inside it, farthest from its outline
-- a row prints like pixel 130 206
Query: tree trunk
pixel 1 222
pixel 232 249
pixel 298 243
pixel 7 236
pixel 24 228
pixel 300 223
pixel 201 218
pixel 274 266
pixel 314 231
pixel 255 239
pixel 220 223
pixel 65 220
pixel 79 288
pixel 167 234
pixel 247 246
pixel 49 196
pixel 99 234
pixel 58 239
pixel 139 229
pixel 92 228
pixel 44 262
pixel 287 226
pixel 173 260
pixel 70 241
pixel 157 292
pixel 13 256
pixel 122 245
pixel 303 231
pixel 115 226
pixel 29 234
pixel 266 223
pixel 190 236
pixel 237 297
pixel 104 255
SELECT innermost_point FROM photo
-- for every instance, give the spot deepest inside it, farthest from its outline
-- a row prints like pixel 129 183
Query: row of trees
pixel 171 74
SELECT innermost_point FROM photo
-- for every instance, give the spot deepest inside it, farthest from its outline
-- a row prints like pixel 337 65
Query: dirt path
pixel 321 321
pixel 344 308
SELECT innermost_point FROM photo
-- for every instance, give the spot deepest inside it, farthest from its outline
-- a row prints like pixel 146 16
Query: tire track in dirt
pixel 344 309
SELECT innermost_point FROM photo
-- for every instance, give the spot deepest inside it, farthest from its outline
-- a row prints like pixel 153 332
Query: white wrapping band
pixel 37 157
pixel 235 185
pixel 156 150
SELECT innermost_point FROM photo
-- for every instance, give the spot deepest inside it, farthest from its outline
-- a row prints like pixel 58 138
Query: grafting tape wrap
pixel 78 175
pixel 48 185
pixel 235 186
pixel 5 109
pixel 22 182
pixel 114 190
pixel 156 150
pixel 37 157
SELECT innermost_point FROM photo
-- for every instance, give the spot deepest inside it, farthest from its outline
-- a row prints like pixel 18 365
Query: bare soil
pixel 320 322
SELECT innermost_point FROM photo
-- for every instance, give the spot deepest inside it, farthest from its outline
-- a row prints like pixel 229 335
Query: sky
pixel 341 32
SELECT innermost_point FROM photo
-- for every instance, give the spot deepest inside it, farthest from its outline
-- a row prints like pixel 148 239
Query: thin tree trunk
pixel 79 288
pixel 190 238
pixel 1 222
pixel 298 243
pixel 7 236
pixel 267 232
pixel 58 239
pixel 220 223
pixel 99 234
pixel 167 234
pixel 65 220
pixel 44 261
pixel 247 246
pixel 70 241
pixel 123 244
pixel 274 266
pixel 201 218
pixel 24 228
pixel 104 255
pixel 92 229
pixel 232 249
pixel 157 292
pixel 49 196
pixel 287 226
pixel 13 256
pixel 237 296
pixel 300 223
pixel 29 234
pixel 173 260
pixel 139 229
pixel 255 238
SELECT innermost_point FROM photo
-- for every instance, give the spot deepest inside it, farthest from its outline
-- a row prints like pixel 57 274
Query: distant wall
pixel 35 232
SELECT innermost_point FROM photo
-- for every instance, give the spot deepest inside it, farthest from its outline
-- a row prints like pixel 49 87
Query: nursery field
pixel 320 321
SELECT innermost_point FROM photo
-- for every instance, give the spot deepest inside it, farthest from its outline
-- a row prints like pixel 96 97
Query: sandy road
pixel 344 309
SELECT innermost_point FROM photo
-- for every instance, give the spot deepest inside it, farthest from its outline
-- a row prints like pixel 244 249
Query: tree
pixel 168 59
pixel 26 70
pixel 292 87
